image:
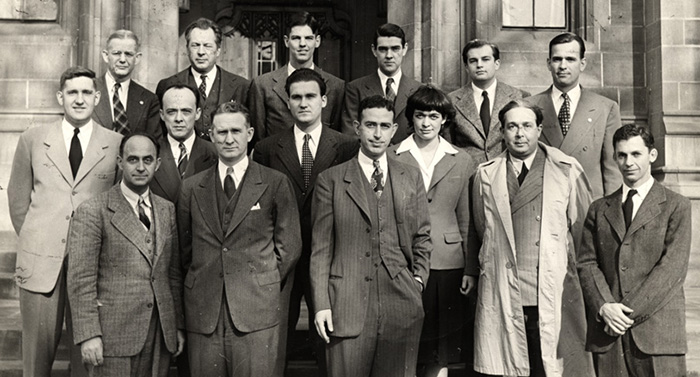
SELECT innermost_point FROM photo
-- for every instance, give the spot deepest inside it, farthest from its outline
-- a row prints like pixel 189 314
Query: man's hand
pixel 469 284
pixel 91 351
pixel 323 320
pixel 180 342
pixel 616 320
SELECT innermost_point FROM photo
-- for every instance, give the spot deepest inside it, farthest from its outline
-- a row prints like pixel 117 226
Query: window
pixel 265 57
pixel 544 14
pixel 34 10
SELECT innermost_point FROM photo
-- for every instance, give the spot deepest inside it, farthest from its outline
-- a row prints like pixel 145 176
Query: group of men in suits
pixel 314 213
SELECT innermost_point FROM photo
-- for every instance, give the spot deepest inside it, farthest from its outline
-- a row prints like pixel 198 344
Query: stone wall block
pixel 692 32
pixel 689 96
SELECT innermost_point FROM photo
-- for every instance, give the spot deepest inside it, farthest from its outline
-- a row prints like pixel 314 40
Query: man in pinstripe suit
pixel 370 253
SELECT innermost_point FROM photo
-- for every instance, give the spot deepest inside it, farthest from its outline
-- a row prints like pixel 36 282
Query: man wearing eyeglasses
pixel 215 85
pixel 128 106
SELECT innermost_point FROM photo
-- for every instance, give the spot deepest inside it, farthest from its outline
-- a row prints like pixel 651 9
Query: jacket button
pixel 149 305
pixel 63 240
pixel 148 240
pixel 538 218
pixel 67 217
pixel 74 193
pixel 225 249
pixel 537 243
pixel 367 278
pixel 623 268
pixel 221 274
pixel 153 280
pixel 367 254
pixel 430 200
pixel 509 265
pixel 367 230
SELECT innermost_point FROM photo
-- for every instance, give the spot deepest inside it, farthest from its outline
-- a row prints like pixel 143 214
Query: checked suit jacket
pixel 114 283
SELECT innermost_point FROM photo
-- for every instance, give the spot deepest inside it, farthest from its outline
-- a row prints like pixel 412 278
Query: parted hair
pixel 477 43
pixel 629 131
pixel 232 107
pixel 303 19
pixel 179 85
pixel 374 102
pixel 204 24
pixel 520 103
pixel 76 71
pixel 124 34
pixel 304 75
pixel 566 38
pixel 389 30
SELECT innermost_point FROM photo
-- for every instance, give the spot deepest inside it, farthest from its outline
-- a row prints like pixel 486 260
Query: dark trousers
pixel 534 350
pixel 625 359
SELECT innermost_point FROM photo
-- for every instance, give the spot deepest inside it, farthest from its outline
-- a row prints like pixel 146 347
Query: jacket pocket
pixel 268 277
pixel 453 237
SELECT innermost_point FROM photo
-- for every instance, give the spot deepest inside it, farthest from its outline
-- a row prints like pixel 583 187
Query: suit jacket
pixel 642 268
pixel 468 133
pixel 589 139
pixel 279 152
pixel 454 240
pixel 371 85
pixel 250 259
pixel 231 87
pixel 142 109
pixel 341 222
pixel 166 181
pixel 43 194
pixel 114 283
pixel 268 99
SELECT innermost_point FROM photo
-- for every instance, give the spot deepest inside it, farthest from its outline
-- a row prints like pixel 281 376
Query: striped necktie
pixel 121 121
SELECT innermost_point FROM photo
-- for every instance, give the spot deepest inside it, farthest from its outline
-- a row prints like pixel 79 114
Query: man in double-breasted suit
pixel 632 264
pixel 215 85
pixel 182 153
pixel 389 48
pixel 476 128
pixel 124 279
pixel 56 167
pixel 239 239
pixel 268 97
pixel 133 108
pixel 577 121
pixel 370 254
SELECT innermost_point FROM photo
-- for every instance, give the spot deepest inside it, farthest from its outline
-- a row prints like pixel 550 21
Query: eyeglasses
pixel 127 54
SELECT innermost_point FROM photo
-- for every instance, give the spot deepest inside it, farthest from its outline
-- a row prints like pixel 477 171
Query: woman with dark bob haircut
pixel 453 266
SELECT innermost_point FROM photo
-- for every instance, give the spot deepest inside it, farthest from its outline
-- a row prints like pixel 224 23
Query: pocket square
pixel 255 207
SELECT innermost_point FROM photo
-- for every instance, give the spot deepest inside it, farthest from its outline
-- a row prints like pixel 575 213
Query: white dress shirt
pixel 642 192
pixel 123 92
pixel 133 199
pixel 367 166
pixel 409 145
pixel 211 76
pixel 479 98
pixel 291 69
pixel 175 146
pixel 518 163
pixel 315 132
pixel 84 134
pixel 238 171
pixel 574 96
pixel 383 78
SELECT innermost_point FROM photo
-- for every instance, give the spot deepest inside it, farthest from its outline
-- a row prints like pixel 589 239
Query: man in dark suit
pixel 632 264
pixel 215 85
pixel 124 280
pixel 301 153
pixel 240 240
pixel 268 98
pixel 126 106
pixel 389 48
pixel 182 153
pixel 577 121
pixel 476 128
pixel 370 254
pixel 56 167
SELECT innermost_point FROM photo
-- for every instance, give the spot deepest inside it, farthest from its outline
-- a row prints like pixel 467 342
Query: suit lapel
pixel 252 188
pixel 57 153
pixel 103 110
pixel 134 105
pixel 581 123
pixel 289 157
pixel 198 160
pixel 649 208
pixel 441 169
pixel 93 154
pixel 614 213
pixel 160 213
pixel 125 221
pixel 551 130
pixel 167 176
pixel 532 185
pixel 499 190
pixel 501 100
pixel 205 195
pixel 467 107
pixel 326 152
pixel 279 79
pixel 402 95
pixel 374 86
pixel 356 189
pixel 399 185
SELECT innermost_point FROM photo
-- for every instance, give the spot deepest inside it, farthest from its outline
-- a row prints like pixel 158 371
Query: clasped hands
pixel 616 318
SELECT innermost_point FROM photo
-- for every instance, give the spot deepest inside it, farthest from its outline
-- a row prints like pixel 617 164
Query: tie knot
pixel 76 131
pixel 484 93
pixel 117 86
pixel 182 147
pixel 389 81
pixel 631 193
pixel 142 202
pixel 229 170
pixel 203 77
pixel 307 137
pixel 376 164
pixel 565 96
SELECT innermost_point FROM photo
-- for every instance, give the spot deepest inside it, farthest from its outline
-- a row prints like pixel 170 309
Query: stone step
pixel 13 368
pixel 8 288
pixel 11 334
pixel 7 261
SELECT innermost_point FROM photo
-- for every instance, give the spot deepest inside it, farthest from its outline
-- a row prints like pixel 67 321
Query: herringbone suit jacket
pixel 142 109
pixel 114 283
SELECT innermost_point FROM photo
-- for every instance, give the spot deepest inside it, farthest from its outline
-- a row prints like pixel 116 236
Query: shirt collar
pixel 175 145
pixel 642 190
pixel 315 133
pixel 211 75
pixel 85 130
pixel 133 198
pixel 291 69
pixel 574 94
pixel 491 90
pixel 409 144
pixel 239 169
pixel 518 163
pixel 110 81
pixel 367 164
pixel 383 77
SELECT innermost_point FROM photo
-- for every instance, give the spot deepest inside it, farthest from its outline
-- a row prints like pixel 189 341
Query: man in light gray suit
pixel 56 167
pixel 124 280
pixel 476 128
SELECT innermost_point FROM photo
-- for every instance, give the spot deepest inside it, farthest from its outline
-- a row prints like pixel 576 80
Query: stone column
pixel 98 18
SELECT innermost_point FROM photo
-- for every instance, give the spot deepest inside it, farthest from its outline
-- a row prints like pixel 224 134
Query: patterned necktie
pixel 390 94
pixel 142 213
pixel 485 112
pixel 182 160
pixel 307 161
pixel 628 208
pixel 377 178
pixel 565 114
pixel 121 121
pixel 203 87
pixel 522 175
pixel 75 155
pixel 229 185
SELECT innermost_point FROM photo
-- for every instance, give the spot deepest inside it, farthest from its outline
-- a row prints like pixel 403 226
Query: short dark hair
pixel 477 43
pixel 374 102
pixel 179 85
pixel 76 71
pixel 389 30
pixel 566 38
pixel 204 24
pixel 520 103
pixel 232 107
pixel 303 19
pixel 428 98
pixel 304 75
pixel 629 131
pixel 124 34
pixel 139 133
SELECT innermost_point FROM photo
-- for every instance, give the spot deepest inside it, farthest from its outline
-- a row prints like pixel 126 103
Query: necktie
pixel 121 121
pixel 523 174
pixel 75 155
pixel 390 94
pixel 377 178
pixel 565 114
pixel 229 185
pixel 628 207
pixel 485 112
pixel 307 161
pixel 203 87
pixel 142 213
pixel 182 160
